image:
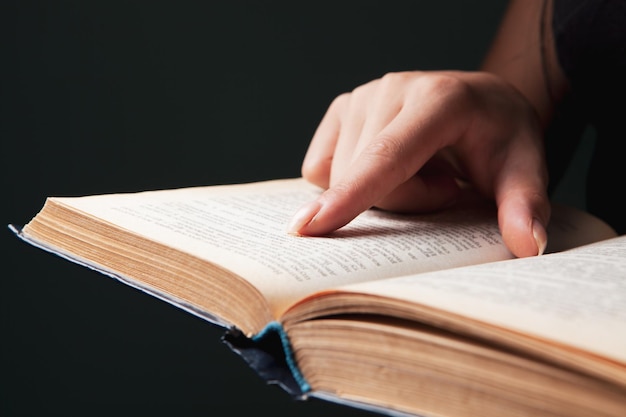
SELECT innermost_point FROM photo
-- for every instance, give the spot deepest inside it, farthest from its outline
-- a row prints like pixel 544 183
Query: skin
pixel 405 142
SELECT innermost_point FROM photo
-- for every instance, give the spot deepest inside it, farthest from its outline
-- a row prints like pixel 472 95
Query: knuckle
pixel 385 148
pixel 339 103
pixel 391 80
pixel 442 84
pixel 387 154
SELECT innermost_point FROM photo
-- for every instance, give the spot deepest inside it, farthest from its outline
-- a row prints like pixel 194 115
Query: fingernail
pixel 540 235
pixel 303 217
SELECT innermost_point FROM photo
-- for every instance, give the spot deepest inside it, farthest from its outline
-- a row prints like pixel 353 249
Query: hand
pixel 403 141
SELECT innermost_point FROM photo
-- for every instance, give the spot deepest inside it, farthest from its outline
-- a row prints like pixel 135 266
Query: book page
pixel 243 228
pixel 577 297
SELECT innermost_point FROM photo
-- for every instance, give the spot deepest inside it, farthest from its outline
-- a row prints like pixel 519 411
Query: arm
pixel 404 141
pixel 523 53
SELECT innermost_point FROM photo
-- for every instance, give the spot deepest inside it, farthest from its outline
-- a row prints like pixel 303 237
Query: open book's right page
pixel 574 298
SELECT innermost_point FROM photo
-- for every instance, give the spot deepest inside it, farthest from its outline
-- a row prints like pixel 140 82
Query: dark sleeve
pixel 590 40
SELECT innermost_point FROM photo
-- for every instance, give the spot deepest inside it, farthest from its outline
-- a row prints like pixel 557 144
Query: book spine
pixel 277 328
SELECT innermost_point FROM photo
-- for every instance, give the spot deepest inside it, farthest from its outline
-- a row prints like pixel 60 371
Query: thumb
pixel 523 208
pixel 523 223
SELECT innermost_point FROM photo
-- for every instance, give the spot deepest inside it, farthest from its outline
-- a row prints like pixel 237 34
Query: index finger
pixel 392 158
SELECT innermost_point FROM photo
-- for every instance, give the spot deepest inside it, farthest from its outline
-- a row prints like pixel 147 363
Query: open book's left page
pixel 242 228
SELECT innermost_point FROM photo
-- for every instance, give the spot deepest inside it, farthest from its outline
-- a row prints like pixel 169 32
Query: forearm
pixel 523 53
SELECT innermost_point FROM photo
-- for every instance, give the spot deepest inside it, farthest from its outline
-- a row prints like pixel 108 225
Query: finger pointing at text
pixel 402 142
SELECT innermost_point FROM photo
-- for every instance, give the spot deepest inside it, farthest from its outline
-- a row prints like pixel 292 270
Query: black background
pixel 109 96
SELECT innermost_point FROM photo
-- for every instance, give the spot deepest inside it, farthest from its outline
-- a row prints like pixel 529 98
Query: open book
pixel 401 314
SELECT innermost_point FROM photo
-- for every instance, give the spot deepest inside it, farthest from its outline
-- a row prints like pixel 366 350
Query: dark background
pixel 109 96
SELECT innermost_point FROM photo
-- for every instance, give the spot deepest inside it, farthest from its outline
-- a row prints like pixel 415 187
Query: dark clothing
pixel 590 38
